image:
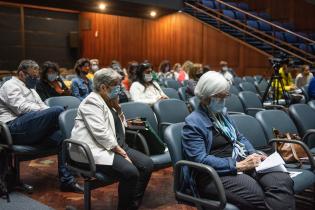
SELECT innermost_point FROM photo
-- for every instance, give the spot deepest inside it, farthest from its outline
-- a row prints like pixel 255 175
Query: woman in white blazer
pixel 144 89
pixel 100 124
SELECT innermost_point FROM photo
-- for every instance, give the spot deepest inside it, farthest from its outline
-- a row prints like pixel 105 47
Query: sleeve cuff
pixel 232 164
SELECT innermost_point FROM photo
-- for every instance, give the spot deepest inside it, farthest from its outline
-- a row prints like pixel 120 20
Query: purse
pixel 142 126
pixel 291 153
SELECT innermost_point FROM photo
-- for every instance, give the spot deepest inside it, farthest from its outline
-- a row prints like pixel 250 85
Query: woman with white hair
pixel 210 137
pixel 100 124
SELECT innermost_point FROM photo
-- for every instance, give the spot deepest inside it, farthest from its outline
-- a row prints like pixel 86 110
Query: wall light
pixel 102 6
pixel 153 13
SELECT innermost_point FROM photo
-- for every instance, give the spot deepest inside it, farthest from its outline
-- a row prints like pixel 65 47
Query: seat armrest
pixel 254 109
pixel 236 113
pixel 302 144
pixel 212 204
pixel 142 141
pixel 163 125
pixel 305 138
pixel 87 153
pixel 5 133
pixel 275 106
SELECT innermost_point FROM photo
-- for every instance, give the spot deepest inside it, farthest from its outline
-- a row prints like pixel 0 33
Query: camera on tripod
pixel 278 62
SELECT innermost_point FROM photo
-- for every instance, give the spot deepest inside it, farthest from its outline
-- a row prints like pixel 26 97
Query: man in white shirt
pixel 304 77
pixel 30 120
pixel 226 71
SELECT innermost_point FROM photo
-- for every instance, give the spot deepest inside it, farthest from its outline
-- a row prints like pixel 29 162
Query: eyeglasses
pixel 222 95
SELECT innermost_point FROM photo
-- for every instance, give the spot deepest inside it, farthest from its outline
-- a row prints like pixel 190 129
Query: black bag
pixel 5 173
pixel 142 126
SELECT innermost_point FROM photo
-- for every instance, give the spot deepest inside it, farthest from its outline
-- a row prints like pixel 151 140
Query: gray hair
pixel 27 64
pixel 104 76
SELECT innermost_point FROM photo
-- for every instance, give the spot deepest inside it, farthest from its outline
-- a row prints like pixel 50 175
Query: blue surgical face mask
pixel 216 105
pixel 115 92
pixel 148 77
pixel 52 77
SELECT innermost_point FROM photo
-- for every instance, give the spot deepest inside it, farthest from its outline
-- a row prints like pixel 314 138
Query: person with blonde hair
pixel 210 137
pixel 183 73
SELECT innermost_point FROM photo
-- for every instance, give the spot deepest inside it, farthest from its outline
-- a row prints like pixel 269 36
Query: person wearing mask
pixel 81 86
pixel 176 68
pixel 50 83
pixel 144 89
pixel 226 71
pixel 164 70
pixel 100 123
pixel 30 120
pixel 95 65
pixel 130 75
pixel 304 77
pixel 194 75
pixel 210 137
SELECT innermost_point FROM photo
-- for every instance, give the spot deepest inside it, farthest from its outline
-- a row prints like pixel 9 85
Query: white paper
pixel 294 173
pixel 273 162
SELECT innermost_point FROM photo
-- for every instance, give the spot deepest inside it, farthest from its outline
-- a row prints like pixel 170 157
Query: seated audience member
pixel 165 70
pixel 95 65
pixel 210 137
pixel 81 86
pixel 50 83
pixel 194 74
pixel 226 72
pixel 206 68
pixel 30 120
pixel 184 71
pixel 176 68
pixel 144 89
pixel 100 124
pixel 130 75
pixel 304 77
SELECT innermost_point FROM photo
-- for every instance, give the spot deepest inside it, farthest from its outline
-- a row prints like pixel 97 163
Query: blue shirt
pixel 197 139
pixel 80 88
pixel 311 88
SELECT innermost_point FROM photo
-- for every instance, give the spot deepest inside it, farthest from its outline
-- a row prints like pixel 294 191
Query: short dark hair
pixel 26 64
pixel 46 66
pixel 79 64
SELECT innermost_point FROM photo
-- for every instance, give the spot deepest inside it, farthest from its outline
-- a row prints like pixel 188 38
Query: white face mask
pixel 225 68
pixel 52 77
pixel 94 68
pixel 148 77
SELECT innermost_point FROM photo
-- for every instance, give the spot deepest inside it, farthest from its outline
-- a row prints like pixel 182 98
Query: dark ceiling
pixel 115 7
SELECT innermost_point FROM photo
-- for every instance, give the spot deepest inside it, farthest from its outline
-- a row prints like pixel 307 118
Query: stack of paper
pixel 273 162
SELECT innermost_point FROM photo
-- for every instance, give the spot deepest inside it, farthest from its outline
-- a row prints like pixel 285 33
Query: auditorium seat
pixel 170 92
pixel 304 119
pixel 173 140
pixel 249 79
pixel 194 102
pixel 22 153
pixel 76 153
pixel 248 86
pixel 171 83
pixel 234 105
pixel 69 102
pixel 234 90
pixel 182 94
pixel 134 110
pixel 237 81
pixel 168 112
pixel 311 104
pixel 261 86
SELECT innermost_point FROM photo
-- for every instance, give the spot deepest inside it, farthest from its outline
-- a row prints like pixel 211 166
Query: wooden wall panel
pixel 176 37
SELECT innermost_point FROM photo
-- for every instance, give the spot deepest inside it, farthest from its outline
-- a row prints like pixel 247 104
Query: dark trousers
pixel 256 191
pixel 34 128
pixel 133 177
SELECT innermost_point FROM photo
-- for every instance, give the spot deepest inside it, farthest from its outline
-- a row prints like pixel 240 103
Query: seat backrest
pixel 229 13
pixel 137 109
pixel 171 83
pixel 250 100
pixel 248 86
pixel 234 104
pixel 194 102
pixel 173 139
pixel 171 93
pixel 182 93
pixel 170 110
pixel 261 86
pixel 305 93
pixel 66 122
pixel 303 117
pixel 70 102
pixel 253 24
pixel 264 26
pixel 234 89
pixel 237 81
pixel 258 77
pixel 249 79
pixel 312 104
pixel 277 119
pixel 251 129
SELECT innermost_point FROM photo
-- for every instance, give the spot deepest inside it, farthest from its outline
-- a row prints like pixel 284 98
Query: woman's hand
pixel 121 151
pixel 250 162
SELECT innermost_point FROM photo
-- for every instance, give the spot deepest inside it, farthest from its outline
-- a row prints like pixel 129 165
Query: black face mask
pixel 31 82
pixel 199 75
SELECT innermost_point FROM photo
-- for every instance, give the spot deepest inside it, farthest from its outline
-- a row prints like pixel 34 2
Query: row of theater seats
pixel 261 25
